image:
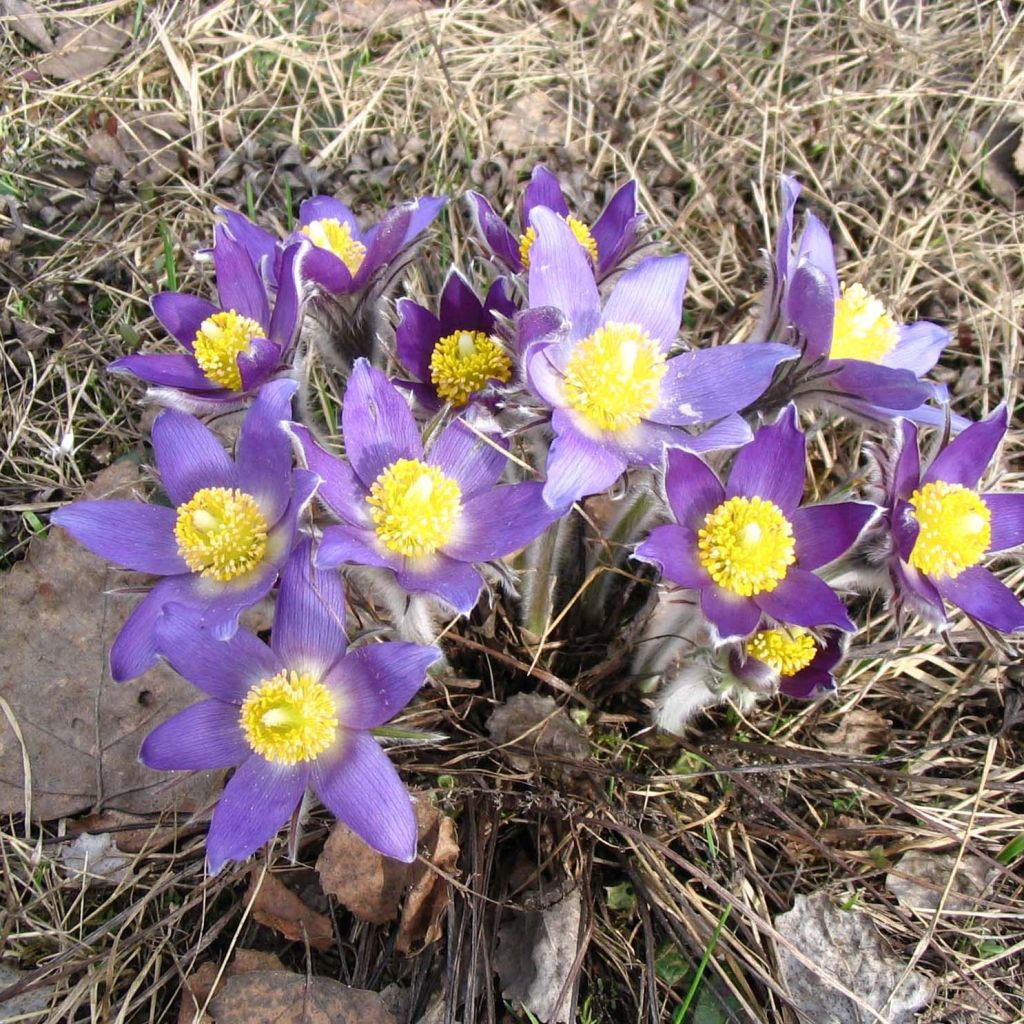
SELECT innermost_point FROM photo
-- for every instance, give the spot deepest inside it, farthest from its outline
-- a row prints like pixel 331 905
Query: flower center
pixel 289 718
pixel 221 533
pixel 336 236
pixel 578 228
pixel 613 377
pixel 787 651
pixel 955 529
pixel 464 362
pixel 862 328
pixel 415 507
pixel 746 545
pixel 218 343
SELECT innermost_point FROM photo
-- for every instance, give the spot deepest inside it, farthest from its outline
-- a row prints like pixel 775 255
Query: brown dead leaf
pixel 82 51
pixel 369 14
pixel 199 984
pixel 141 145
pixel 861 731
pixel 530 728
pixel 281 997
pixel 277 907
pixel 425 906
pixel 134 832
pixel 25 20
pixel 919 880
pixel 533 121
pixel 81 741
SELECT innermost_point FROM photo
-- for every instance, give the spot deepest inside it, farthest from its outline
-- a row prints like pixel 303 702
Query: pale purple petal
pixel 374 682
pixel 377 423
pixel 731 432
pixel 812 308
pixel 342 544
pixel 772 465
pixel 1007 520
pixel 824 532
pixel 385 241
pixel 128 533
pixel 239 284
pixel 360 786
pixel 339 489
pixel 692 488
pixel 815 247
pixel 965 458
pixel 498 522
pixel 261 245
pixel 134 648
pixel 204 736
pixel 922 591
pixel 327 208
pixel 578 466
pixel 189 457
pixel 673 549
pixel 286 319
pixel 474 463
pixel 877 385
pixel 257 801
pixel 561 275
pixel 984 598
pixel 181 314
pixel 918 348
pixel 784 238
pixel 803 599
pixel 651 295
pixel 545 324
pixel 544 372
pixel 544 190
pixel 225 669
pixel 422 213
pixel 453 581
pixel 731 615
pixel 309 620
pixel 494 232
pixel 264 454
pixel 172 371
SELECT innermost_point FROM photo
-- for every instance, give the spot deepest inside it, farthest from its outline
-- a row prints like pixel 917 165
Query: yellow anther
pixel 221 533
pixel 464 362
pixel 336 236
pixel 862 328
pixel 218 343
pixel 787 651
pixel 954 529
pixel 289 718
pixel 414 507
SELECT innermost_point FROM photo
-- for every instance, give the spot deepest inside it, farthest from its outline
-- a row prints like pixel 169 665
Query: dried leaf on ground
pixel 82 51
pixel 920 878
pixel 533 121
pixel 530 724
pixel 861 731
pixel 93 859
pixel 81 744
pixel 369 14
pixel 28 1007
pixel 142 145
pixel 999 153
pixel 424 907
pixel 846 945
pixel 134 832
pixel 277 907
pixel 281 997
pixel 25 20
pixel 199 984
pixel 536 954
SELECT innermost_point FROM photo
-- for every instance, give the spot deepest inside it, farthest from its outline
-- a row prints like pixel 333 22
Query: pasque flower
pixel 455 355
pixel 426 516
pixel 942 527
pixel 618 396
pixel 610 239
pixel 233 349
pixel 790 660
pixel 862 359
pixel 221 542
pixel 748 546
pixel 297 712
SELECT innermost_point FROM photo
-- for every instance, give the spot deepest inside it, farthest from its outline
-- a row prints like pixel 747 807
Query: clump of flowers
pixel 477 434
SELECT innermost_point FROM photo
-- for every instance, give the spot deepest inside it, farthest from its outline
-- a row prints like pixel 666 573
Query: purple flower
pixel 618 397
pixel 942 527
pixel 455 355
pixel 296 712
pixel 231 351
pixel 857 356
pixel 424 516
pixel 221 542
pixel 748 546
pixel 792 661
pixel 607 243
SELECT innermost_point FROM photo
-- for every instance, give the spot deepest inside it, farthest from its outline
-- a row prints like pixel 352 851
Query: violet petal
pixel 202 737
pixel 824 532
pixel 983 597
pixel 578 466
pixel 239 285
pixel 561 275
pixel 172 371
pixel 181 314
pixel 965 458
pixel 803 599
pixel 651 295
pixel 772 465
pixel 339 489
pixel 673 549
pixel 692 488
pixel 1007 520
pixel 189 457
pixel 731 615
pixel 264 453
pixel 474 463
pixel 498 522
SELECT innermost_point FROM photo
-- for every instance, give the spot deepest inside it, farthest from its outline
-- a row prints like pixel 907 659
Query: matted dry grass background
pixel 887 109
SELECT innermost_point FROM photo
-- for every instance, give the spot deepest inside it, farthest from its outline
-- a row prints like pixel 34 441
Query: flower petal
pixel 544 190
pixel 257 801
pixel 615 229
pixel 803 599
pixel 918 348
pixel 877 385
pixel 692 488
pixel 385 241
pixel 181 314
pixel 204 736
pixel 360 786
pixel 339 489
pixel 473 463
pixel 455 582
pixel 172 371
pixel 376 681
pixel 824 532
pixel 291 294
pixel 498 522
pixel 772 465
pixel 417 334
pixel 784 235
pixel 731 432
pixel 325 269
pixel 327 208
pixel 815 248
pixel 347 544
pixel 422 213
pixel 377 423
pixel 673 549
pixel 906 474
pixel 239 285
pixel 189 457
pixel 808 684
pixel 917 591
pixel 811 307
pixel 259 364
pixel 134 648
pixel 264 452
pixel 494 232
pixel 965 458
pixel 128 533
pixel 309 620
pixel 261 245
pixel 561 275
pixel 731 615
pixel 1007 521
pixel 651 295
pixel 578 466
pixel 984 598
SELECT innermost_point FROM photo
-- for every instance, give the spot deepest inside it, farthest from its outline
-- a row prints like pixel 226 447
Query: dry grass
pixel 873 104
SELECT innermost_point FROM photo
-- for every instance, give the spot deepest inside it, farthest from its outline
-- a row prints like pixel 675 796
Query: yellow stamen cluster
pixel 787 651
pixel 579 230
pixel 221 533
pixel 336 236
pixel 289 718
pixel 862 328
pixel 955 529
pixel 218 343
pixel 613 377
pixel 746 545
pixel 464 362
pixel 415 507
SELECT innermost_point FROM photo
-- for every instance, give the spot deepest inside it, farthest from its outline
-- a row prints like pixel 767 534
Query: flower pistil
pixel 463 362
pixel 218 343
pixel 221 533
pixel 414 506
pixel 955 529
pixel 289 718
